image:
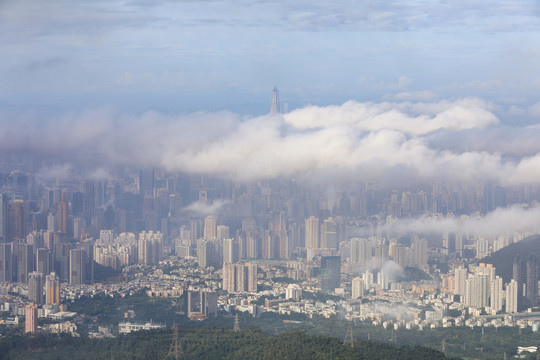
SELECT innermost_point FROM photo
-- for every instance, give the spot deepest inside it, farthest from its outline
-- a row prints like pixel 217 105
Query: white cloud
pixel 365 141
pixel 509 220
pixel 205 209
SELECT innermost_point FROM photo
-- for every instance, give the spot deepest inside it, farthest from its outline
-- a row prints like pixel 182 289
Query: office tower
pixel 16 221
pixel 62 214
pixel 230 251
pixel 312 233
pixel 89 200
pixel 496 294
pixel 35 287
pixel 210 231
pixel 43 261
pixel 512 296
pixel 361 251
pixel 222 232
pixel 6 264
pixel 201 303
pixel 52 289
pixel 61 260
pixel 3 217
pixel 330 273
pixel 531 290
pixel 31 318
pixel 420 247
pixel 329 234
pixel 76 267
pixel 357 287
pixel 87 247
pixel 25 261
pixel 274 107
pixel 460 275
pixel 106 236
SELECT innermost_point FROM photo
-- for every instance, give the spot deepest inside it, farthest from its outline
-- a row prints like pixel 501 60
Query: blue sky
pixel 184 56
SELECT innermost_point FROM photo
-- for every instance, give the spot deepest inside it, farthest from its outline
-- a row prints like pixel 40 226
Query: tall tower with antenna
pixel 274 108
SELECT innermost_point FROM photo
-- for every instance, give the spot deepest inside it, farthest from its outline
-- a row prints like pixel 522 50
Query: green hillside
pixel 504 258
pixel 206 343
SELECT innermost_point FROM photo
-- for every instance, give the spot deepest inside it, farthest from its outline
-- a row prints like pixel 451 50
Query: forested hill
pixel 206 343
pixel 503 259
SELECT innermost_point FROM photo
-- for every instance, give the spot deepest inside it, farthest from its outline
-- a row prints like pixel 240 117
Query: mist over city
pixel 180 178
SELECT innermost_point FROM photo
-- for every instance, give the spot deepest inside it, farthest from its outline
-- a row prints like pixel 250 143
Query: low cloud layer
pixel 363 141
pixel 509 220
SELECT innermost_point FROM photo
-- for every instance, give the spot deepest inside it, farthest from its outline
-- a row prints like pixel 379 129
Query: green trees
pixel 205 343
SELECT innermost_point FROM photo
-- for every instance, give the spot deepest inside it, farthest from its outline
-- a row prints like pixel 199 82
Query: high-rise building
pixel 35 287
pixel 420 247
pixel 329 234
pixel 477 290
pixel 44 261
pixel 460 275
pixel 3 217
pixel 230 251
pixel 201 303
pixel 210 227
pixel 52 289
pixel 150 247
pixel 497 294
pixel 361 251
pixel 274 107
pixel 531 291
pixel 330 273
pixel 76 267
pixel 512 296
pixel 16 221
pixel 62 216
pixel 25 261
pixel 6 274
pixel 357 287
pixel 31 318
pixel 222 232
pixel 240 277
pixel 312 233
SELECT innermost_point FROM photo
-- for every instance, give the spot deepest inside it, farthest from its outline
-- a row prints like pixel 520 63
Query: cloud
pixel 205 209
pixel 412 118
pixel 517 218
pixel 362 141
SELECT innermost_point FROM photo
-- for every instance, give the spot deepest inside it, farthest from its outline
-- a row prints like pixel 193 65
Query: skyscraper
pixel 16 221
pixel 274 108
pixel 62 214
pixel 3 217
pixel 330 273
pixel 6 274
pixel 312 233
pixel 210 228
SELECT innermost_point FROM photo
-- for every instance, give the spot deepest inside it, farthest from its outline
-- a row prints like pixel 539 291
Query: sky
pixel 373 90
pixel 186 56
